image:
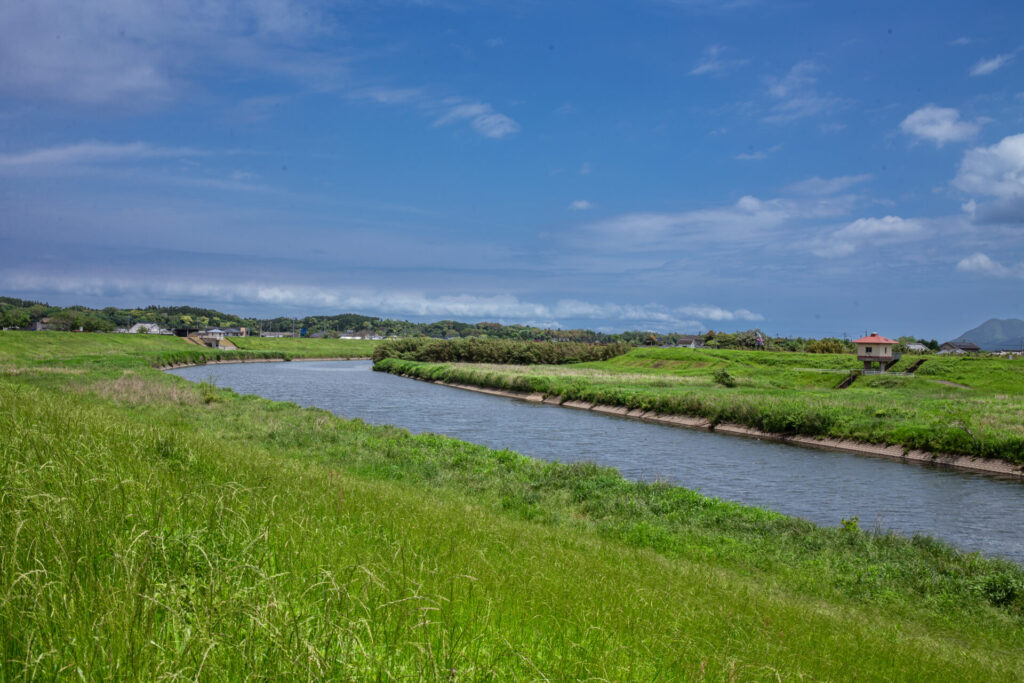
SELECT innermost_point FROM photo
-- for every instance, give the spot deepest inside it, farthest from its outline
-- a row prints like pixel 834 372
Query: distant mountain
pixel 996 334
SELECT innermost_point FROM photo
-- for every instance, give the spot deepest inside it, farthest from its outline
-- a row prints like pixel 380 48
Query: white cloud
pixel 580 205
pixel 481 117
pixel 960 42
pixel 866 232
pixel 797 95
pixel 91 152
pixel 712 62
pixel 409 303
pixel 821 187
pixel 982 264
pixel 585 168
pixel 987 66
pixel 996 171
pixel 939 124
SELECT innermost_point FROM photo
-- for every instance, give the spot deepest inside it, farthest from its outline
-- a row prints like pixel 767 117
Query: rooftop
pixel 874 338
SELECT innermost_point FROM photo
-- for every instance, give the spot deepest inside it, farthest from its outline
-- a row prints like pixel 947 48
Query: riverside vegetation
pixel 952 404
pixel 153 528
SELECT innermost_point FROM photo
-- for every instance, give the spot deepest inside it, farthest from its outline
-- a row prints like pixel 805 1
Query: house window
pixel 867 350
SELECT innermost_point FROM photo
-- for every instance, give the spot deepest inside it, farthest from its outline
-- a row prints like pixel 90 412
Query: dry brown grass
pixel 134 390
pixel 39 370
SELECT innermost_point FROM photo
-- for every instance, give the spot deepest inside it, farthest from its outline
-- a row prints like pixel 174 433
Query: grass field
pixel 155 529
pixel 961 405
pixel 103 350
pixel 309 348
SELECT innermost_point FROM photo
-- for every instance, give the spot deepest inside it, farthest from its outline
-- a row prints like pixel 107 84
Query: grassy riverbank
pixel 153 528
pixel 960 405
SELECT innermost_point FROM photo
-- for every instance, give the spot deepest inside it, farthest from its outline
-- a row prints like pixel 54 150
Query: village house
pixel 875 348
pixel 916 347
pixel 958 348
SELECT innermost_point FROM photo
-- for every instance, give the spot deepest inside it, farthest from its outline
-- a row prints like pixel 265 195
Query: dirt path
pixel 952 384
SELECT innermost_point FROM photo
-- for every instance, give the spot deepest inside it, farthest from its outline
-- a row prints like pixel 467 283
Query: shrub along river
pixel 970 510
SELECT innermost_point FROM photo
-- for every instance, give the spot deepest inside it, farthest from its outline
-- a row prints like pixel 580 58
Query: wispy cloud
pixel 747 222
pixel 580 205
pixel 713 61
pixel 987 66
pixel 866 232
pixel 983 265
pixel 481 117
pixel 961 41
pixel 939 125
pixel 757 155
pixel 822 187
pixel 92 152
pixel 130 54
pixel 796 94
pixel 382 95
pixel 718 314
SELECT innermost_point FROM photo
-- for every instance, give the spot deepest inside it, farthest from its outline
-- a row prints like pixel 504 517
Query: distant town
pixel 215 329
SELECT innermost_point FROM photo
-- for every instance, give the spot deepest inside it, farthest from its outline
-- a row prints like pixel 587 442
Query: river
pixel 973 511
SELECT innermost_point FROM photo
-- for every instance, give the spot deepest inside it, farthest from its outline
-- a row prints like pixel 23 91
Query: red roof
pixel 875 338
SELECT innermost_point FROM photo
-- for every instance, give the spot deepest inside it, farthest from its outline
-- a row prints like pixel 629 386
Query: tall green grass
pixel 485 350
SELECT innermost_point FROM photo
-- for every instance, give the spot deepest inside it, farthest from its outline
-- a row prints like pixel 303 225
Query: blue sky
pixel 805 168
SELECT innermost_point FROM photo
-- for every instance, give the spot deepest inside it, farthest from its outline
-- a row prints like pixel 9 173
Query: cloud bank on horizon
pixel 661 166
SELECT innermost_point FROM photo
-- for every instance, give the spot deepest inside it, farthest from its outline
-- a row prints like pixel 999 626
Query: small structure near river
pixel 875 348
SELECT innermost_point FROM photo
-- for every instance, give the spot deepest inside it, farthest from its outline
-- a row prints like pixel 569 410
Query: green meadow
pixel 152 528
pixel 299 347
pixel 952 404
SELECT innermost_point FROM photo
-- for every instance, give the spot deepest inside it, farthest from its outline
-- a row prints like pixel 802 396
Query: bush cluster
pixel 504 351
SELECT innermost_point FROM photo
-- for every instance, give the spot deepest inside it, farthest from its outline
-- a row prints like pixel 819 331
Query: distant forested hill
pixel 995 334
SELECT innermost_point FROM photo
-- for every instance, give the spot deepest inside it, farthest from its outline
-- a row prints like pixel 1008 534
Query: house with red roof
pixel 875 348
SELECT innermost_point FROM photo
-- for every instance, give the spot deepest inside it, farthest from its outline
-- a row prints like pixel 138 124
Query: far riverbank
pixel 989 465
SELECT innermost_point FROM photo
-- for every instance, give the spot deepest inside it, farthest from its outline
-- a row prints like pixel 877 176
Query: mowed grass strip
pixel 191 532
pixel 960 405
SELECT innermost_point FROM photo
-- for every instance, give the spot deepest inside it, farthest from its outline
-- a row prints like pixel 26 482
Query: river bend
pixel 973 511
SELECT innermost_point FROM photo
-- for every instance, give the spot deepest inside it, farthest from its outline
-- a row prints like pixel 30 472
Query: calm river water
pixel 972 511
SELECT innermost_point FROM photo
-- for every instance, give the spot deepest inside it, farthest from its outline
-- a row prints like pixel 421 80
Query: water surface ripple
pixel 970 510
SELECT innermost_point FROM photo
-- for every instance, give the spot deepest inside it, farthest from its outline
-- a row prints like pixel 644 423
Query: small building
pixel 959 347
pixel 875 348
pixel 146 328
pixel 691 341
pixel 916 347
